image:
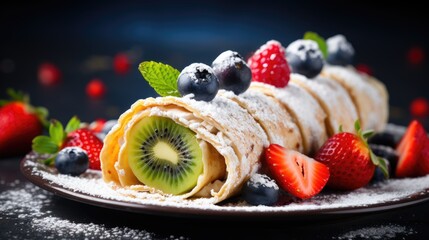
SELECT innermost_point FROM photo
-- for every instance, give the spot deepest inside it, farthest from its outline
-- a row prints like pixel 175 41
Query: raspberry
pixel 269 65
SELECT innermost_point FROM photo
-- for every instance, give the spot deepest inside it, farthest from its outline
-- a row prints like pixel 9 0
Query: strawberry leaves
pixel 57 134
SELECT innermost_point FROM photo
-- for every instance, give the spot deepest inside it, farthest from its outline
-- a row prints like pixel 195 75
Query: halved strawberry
pixel 296 173
pixel 409 150
pixel 423 162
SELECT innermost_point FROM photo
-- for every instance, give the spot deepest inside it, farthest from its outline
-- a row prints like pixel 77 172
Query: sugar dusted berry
pixel 232 72
pixel 72 161
pixel 269 65
pixel 340 51
pixel 198 79
pixel 305 58
pixel 260 190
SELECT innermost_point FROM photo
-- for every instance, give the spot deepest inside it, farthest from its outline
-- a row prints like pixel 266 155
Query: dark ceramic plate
pixel 33 171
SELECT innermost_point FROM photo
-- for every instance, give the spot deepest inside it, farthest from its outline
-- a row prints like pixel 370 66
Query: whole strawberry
pixel 72 136
pixel 350 160
pixel 269 65
pixel 19 124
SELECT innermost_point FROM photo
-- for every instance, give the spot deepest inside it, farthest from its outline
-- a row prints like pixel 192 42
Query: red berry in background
pixel 97 125
pixel 269 65
pixel 419 107
pixel 96 89
pixel 364 68
pixel 49 74
pixel 121 64
pixel 415 55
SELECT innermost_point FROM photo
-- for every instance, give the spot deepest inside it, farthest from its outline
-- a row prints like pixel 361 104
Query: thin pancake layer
pixel 367 99
pixel 221 124
pixel 272 116
pixel 334 100
pixel 306 112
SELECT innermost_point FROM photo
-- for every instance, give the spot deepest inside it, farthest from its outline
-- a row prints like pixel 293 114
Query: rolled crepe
pixel 272 116
pixel 304 109
pixel 333 99
pixel 233 130
pixel 230 138
pixel 368 97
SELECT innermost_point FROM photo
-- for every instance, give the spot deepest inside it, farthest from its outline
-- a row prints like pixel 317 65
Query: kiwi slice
pixel 164 155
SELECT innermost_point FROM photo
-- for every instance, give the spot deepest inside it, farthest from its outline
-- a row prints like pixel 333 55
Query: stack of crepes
pixel 233 130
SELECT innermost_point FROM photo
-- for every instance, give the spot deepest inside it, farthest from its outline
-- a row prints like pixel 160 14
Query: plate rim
pixel 190 212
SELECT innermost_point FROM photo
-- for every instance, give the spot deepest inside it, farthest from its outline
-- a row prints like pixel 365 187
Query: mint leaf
pixel 73 124
pixel 319 40
pixel 56 132
pixel 161 77
pixel 44 144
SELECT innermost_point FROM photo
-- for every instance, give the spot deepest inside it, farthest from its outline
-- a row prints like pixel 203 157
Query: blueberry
pixel 72 161
pixel 108 125
pixel 200 80
pixel 387 153
pixel 385 138
pixel 305 58
pixel 379 175
pixel 340 51
pixel 260 190
pixel 232 72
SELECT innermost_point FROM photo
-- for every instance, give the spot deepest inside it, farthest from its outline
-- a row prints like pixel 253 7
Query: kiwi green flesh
pixel 164 155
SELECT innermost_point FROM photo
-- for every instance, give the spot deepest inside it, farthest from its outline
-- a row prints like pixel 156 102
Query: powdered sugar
pixel 380 196
pixel 339 42
pixel 262 180
pixel 390 231
pixel 303 47
pixel 25 207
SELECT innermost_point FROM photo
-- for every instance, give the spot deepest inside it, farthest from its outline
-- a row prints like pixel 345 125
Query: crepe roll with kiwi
pixel 183 148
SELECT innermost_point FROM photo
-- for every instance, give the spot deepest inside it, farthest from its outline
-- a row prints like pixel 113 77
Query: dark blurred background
pixel 106 40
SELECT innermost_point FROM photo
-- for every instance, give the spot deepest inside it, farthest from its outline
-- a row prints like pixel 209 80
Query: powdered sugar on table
pixel 391 192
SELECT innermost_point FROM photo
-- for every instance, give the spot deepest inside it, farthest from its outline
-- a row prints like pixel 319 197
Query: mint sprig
pixel 319 40
pixel 161 77
pixel 57 134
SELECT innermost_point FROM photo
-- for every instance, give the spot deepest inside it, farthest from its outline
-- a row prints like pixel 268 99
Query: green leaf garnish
pixel 56 132
pixel 49 161
pixel 44 144
pixel 319 40
pixel 57 135
pixel 376 160
pixel 73 124
pixel 161 77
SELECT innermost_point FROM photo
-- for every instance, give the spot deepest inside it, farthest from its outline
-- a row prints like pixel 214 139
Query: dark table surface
pixel 75 34
pixel 29 212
